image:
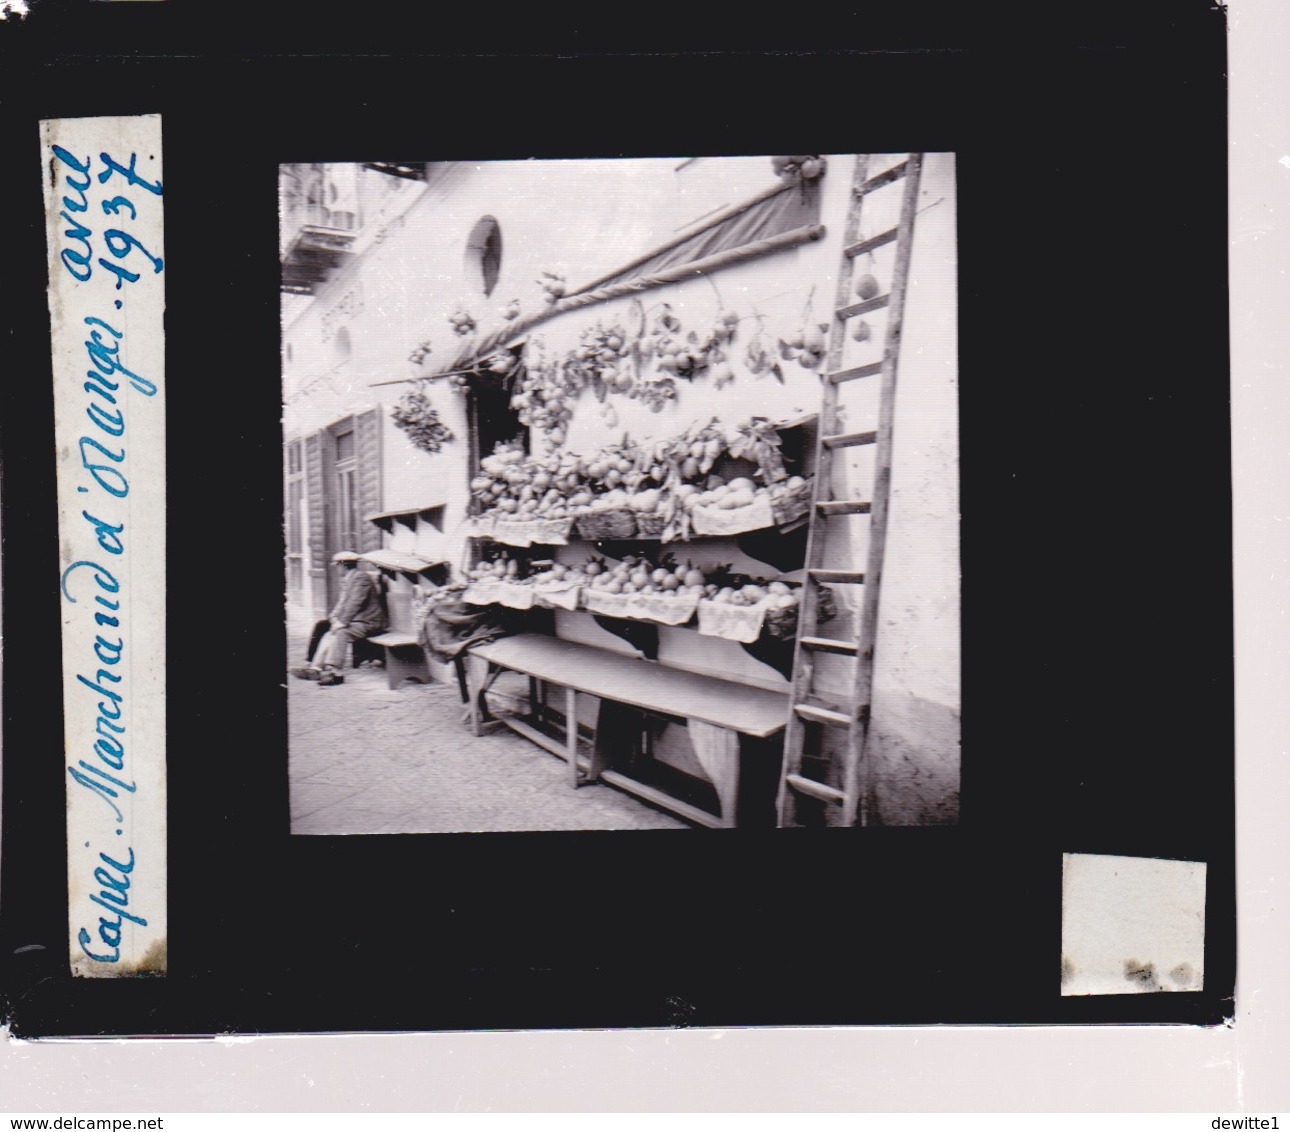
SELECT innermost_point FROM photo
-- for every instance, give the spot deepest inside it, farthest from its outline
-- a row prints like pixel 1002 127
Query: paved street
pixel 365 759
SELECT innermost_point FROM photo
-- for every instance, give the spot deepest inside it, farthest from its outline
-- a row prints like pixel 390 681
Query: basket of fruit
pixel 651 508
pixel 783 606
pixel 491 581
pixel 480 526
pixel 560 587
pixel 516 595
pixel 607 523
pixel 527 531
pixel 650 525
pixel 666 607
pixel 485 591
pixel 790 500
pixel 731 508
pixel 610 516
pixel 736 615
pixel 666 593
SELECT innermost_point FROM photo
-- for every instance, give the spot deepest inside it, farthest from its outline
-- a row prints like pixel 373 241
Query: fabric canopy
pixel 794 205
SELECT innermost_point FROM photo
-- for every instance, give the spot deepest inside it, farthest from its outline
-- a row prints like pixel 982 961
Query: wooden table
pixel 642 684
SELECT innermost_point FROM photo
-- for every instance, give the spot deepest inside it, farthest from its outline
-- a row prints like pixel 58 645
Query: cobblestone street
pixel 368 759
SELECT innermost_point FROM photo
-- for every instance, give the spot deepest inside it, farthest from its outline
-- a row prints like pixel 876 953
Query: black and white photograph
pixel 532 480
pixel 621 494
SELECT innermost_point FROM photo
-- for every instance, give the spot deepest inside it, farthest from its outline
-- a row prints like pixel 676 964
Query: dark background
pixel 1095 498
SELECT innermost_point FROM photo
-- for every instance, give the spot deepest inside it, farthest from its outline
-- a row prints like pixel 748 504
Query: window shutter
pixel 314 489
pixel 367 450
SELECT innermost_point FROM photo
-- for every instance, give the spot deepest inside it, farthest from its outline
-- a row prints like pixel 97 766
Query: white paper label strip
pixel 103 207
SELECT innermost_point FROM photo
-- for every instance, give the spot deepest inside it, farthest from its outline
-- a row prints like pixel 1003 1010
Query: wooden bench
pixel 720 713
pixel 404 658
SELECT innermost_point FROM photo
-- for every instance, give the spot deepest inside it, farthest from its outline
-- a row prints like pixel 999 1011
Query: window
pixel 484 254
pixel 343 347
pixel 347 490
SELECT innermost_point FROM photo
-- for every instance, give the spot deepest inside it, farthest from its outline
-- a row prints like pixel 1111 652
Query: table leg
pixel 717 750
pixel 571 732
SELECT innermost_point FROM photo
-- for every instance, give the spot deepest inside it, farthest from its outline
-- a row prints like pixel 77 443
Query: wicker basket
pixel 789 503
pixel 651 525
pixel 782 623
pixel 617 523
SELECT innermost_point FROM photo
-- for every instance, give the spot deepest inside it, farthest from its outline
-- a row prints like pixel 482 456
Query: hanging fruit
pixel 553 285
pixel 759 362
pixel 868 287
pixel 803 167
pixel 420 354
pixel 419 420
pixel 463 322
pixel 807 346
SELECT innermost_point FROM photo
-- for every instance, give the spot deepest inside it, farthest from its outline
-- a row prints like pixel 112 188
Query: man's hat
pixel 344 556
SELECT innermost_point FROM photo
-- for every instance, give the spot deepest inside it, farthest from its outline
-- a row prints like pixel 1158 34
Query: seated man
pixel 358 614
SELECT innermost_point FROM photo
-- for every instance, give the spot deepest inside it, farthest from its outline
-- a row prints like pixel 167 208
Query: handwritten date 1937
pixel 79 259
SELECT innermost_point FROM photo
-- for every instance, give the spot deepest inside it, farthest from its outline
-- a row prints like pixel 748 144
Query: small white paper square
pixel 1132 925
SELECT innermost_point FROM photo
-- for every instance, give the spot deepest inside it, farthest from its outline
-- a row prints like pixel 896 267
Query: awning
pixel 786 207
pixel 776 219
pixel 408 516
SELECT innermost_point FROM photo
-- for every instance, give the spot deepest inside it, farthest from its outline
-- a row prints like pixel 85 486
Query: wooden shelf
pixel 642 684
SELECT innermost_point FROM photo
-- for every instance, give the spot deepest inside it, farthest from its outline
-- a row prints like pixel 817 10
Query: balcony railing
pixel 313 255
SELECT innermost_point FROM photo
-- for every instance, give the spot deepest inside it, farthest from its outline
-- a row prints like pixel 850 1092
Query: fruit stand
pixel 628 537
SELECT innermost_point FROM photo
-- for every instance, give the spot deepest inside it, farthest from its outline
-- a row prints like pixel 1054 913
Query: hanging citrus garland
pixel 420 354
pixel 419 420
pixel 759 360
pixel 463 322
pixel 807 346
pixel 544 395
pixel 553 285
pixel 600 360
pixel 636 357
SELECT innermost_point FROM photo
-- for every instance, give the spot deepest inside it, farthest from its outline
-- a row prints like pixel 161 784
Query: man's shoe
pixel 308 672
pixel 327 679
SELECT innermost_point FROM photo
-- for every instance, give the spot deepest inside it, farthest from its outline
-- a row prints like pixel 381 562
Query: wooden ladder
pixel 807 707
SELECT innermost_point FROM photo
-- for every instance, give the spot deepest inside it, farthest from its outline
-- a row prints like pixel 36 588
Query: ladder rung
pixel 886 177
pixel 850 439
pixel 845 577
pixel 864 308
pixel 822 715
pixel 815 789
pixel 823 644
pixel 845 507
pixel 870 370
pixel 871 243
